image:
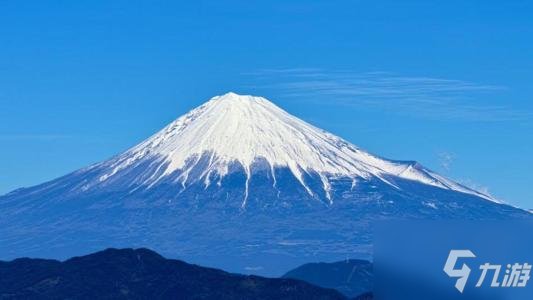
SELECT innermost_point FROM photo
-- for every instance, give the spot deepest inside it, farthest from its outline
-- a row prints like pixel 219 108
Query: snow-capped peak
pixel 241 128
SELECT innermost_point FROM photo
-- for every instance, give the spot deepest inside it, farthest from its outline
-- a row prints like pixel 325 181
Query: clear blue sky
pixel 447 83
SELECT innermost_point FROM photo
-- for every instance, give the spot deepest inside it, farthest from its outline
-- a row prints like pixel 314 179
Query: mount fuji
pixel 237 183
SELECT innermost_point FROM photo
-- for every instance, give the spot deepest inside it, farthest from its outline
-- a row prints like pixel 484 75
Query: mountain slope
pixel 247 131
pixel 141 274
pixel 239 184
pixel 350 277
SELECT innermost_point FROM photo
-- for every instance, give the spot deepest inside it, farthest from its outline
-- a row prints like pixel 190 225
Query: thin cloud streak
pixel 417 96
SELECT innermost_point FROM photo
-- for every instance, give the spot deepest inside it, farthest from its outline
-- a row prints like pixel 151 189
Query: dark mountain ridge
pixel 351 277
pixel 141 274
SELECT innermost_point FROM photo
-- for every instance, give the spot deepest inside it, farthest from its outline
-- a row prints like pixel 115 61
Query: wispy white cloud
pixel 419 96
pixel 446 160
pixel 252 269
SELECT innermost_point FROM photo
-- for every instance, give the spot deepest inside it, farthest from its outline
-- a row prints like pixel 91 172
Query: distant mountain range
pixel 142 274
pixel 350 277
pixel 238 184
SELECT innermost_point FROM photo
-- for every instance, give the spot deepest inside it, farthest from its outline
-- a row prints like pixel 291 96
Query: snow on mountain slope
pixel 237 184
pixel 235 128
